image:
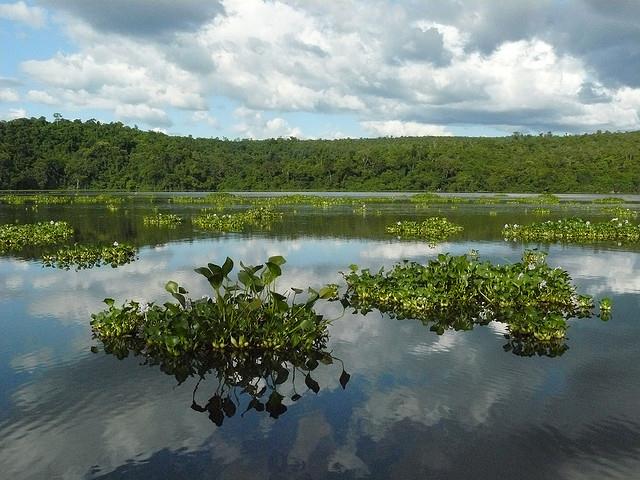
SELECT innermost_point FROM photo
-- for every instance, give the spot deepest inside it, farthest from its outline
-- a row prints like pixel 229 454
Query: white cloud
pixel 203 116
pixel 39 96
pixel 8 95
pixel 149 115
pixel 34 17
pixel 13 113
pixel 399 68
pixel 396 128
pixel 253 125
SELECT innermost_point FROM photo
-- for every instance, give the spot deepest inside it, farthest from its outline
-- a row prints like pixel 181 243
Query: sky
pixel 325 69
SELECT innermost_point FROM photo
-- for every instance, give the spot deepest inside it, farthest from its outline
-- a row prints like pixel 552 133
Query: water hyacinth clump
pixel 620 212
pixel 17 237
pixel 433 228
pixel 169 220
pixel 573 229
pixel 541 211
pixel 243 315
pixel 608 200
pixel 457 292
pixel 220 199
pixel 86 256
pixel 236 222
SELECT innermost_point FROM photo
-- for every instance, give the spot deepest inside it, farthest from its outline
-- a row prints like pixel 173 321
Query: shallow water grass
pixel 458 292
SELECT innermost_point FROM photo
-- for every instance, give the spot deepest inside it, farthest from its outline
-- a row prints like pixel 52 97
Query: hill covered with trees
pixel 65 154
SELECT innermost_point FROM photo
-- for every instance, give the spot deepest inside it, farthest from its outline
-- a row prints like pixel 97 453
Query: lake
pixel 416 405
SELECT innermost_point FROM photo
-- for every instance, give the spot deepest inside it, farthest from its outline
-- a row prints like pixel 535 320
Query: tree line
pixel 72 154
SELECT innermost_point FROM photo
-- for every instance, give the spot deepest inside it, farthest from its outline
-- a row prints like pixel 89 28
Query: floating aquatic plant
pixel 253 338
pixel 608 200
pixel 160 219
pixel 243 315
pixel 541 211
pixel 573 229
pixel 620 212
pixel 432 229
pixel 458 292
pixel 19 236
pixel 236 222
pixel 86 256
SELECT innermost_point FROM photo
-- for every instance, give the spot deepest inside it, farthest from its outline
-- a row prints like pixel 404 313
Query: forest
pixel 74 154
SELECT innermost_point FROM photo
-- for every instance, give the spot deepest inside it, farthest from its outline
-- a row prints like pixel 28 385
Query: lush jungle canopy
pixel 37 154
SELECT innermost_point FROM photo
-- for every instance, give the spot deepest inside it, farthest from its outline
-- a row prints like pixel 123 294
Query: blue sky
pixel 318 69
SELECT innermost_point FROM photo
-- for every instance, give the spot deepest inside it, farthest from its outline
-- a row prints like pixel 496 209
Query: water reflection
pixel 418 405
pixel 251 380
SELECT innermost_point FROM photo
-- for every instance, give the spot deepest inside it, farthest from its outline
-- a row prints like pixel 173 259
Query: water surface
pixel 418 405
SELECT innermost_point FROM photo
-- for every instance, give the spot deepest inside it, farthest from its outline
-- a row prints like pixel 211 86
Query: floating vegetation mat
pixel 41 199
pixel 608 200
pixel 620 212
pixel 84 256
pixel 574 230
pixel 435 199
pixel 251 337
pixel 240 316
pixel 458 292
pixel 168 220
pixel 236 222
pixel 433 229
pixel 17 237
pixel 541 211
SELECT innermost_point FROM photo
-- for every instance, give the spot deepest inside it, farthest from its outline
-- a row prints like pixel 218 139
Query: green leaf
pixel 274 269
pixel 327 292
pixel 227 266
pixel 109 301
pixel 171 287
pixel 245 278
pixel 204 271
pixel 278 260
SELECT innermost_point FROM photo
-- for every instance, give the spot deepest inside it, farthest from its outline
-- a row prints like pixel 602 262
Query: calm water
pixel 418 405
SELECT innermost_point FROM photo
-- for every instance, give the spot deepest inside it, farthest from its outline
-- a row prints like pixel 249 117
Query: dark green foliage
pixel 533 299
pixel 36 154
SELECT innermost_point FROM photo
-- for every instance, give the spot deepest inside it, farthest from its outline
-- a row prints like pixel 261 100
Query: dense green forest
pixel 65 154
